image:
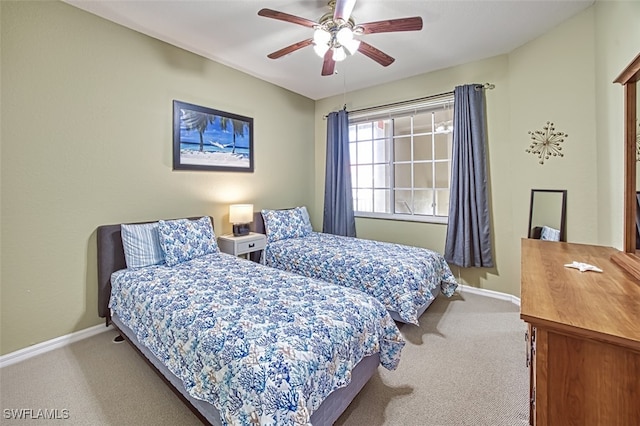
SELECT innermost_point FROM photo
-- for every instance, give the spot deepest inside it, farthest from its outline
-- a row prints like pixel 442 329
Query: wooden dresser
pixel 584 336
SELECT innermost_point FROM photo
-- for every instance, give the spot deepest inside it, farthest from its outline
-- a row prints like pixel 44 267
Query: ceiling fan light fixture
pixel 321 36
pixel 339 54
pixel 351 46
pixel 334 34
pixel 321 49
pixel 344 35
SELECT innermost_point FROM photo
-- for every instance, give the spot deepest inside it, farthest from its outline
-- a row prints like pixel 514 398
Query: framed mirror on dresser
pixel 629 259
pixel 548 214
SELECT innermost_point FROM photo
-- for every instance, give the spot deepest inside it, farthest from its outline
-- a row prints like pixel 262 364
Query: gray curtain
pixel 469 232
pixel 338 200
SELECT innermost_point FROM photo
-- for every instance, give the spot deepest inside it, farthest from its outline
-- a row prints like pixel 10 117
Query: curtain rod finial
pixel 485 86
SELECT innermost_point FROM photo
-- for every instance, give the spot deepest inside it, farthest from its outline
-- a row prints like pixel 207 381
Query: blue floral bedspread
pixel 399 276
pixel 262 345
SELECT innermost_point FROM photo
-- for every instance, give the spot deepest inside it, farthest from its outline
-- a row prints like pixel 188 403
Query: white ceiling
pixel 231 32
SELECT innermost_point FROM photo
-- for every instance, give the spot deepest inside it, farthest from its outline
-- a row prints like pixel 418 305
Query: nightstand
pixel 243 245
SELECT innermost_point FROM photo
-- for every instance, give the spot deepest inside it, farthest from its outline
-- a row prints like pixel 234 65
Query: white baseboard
pixel 49 345
pixel 490 293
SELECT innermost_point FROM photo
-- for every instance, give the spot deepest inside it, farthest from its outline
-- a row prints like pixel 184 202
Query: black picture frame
pixel 207 139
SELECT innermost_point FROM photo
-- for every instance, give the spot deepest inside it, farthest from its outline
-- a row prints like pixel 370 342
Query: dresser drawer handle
pixel 252 245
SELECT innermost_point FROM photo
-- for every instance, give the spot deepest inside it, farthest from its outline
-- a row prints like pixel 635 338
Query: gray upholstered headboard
pixel 258 223
pixel 111 259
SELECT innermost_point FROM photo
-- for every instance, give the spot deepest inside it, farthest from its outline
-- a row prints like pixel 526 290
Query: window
pixel 401 161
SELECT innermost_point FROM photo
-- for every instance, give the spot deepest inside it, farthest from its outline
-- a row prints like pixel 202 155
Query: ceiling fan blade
pixel 376 54
pixel 281 16
pixel 289 49
pixel 392 25
pixel 329 65
pixel 343 9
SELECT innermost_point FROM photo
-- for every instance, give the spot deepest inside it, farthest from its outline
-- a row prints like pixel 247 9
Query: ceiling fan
pixel 333 38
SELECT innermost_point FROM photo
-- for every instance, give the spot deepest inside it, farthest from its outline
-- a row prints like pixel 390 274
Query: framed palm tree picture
pixel 208 139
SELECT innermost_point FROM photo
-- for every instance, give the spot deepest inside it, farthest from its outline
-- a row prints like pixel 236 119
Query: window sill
pixel 404 218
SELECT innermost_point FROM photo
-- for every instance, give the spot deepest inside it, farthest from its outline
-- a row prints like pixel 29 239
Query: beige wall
pixel 86 140
pixel 560 77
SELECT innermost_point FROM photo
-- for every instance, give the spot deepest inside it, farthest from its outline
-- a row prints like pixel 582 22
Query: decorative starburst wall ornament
pixel 546 142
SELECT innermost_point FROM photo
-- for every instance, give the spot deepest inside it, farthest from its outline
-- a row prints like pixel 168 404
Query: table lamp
pixel 240 215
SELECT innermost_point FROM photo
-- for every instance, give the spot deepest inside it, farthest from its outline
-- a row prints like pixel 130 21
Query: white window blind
pixel 401 159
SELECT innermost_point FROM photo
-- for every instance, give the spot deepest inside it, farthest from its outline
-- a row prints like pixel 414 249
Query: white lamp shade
pixel 339 54
pixel 241 213
pixel 344 35
pixel 321 49
pixel 321 36
pixel 352 45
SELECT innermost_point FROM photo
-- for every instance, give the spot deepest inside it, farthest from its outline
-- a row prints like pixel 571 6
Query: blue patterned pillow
pixel 305 217
pixel 141 244
pixel 283 224
pixel 185 239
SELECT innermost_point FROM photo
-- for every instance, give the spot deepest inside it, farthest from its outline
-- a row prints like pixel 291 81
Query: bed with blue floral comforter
pixel 262 345
pixel 403 278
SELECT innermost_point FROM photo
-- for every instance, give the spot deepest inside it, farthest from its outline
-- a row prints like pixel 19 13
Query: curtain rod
pixel 486 86
pixel 426 98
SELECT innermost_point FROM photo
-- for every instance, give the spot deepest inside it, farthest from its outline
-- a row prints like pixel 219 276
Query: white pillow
pixel 550 234
pixel 141 243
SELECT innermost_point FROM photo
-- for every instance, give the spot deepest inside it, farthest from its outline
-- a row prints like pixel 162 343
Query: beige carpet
pixel 464 365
